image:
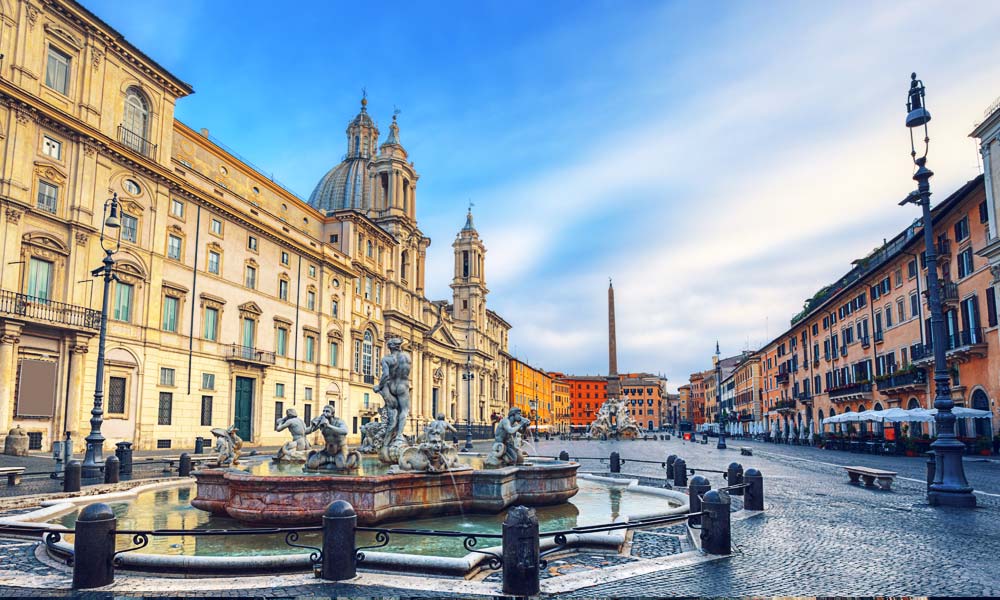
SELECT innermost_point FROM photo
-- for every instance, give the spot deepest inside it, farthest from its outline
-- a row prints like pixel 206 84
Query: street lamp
pixel 93 462
pixel 534 412
pixel 721 445
pixel 468 377
pixel 949 487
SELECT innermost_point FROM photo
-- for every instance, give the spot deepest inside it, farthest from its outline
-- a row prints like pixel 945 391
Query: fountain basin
pixel 302 499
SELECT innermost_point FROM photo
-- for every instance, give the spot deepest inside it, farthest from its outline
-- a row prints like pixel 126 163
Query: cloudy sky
pixel 721 160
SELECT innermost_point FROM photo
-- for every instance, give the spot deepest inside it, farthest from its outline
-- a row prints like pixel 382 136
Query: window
pixel 131 187
pixel 310 349
pixel 206 411
pixel 176 208
pixel 116 395
pixel 888 316
pixel 307 410
pixel 284 257
pixel 48 197
pixel 170 308
pixel 334 350
pixel 208 381
pixel 357 356
pixel 334 308
pixel 39 280
pixel 308 396
pixel 914 306
pixel 311 300
pixel 901 310
pixel 123 302
pixel 173 247
pixel 135 119
pixel 378 292
pixel 965 263
pixel 368 288
pixel 334 238
pixel 51 147
pixel 312 270
pixel 213 262
pixel 962 229
pixel 57 71
pixel 991 306
pixel 283 289
pixel 130 228
pixel 899 277
pixel 984 214
pixel 166 376
pixel 370 252
pixel 166 408
pixel 215 226
pixel 911 269
pixel 251 243
pixel 279 392
pixel 211 324
pixel 281 341
pixel 250 279
pixel 366 354
pixel 279 409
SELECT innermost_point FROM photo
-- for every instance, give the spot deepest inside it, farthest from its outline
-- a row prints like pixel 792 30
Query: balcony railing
pixel 959 342
pixel 917 377
pixel 781 377
pixel 804 397
pixel 136 142
pixel 249 354
pixel 879 336
pixel 854 389
pixel 865 342
pixel 784 405
pixel 949 291
pixel 40 309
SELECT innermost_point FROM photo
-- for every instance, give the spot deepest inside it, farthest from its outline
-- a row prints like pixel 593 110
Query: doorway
pixel 243 418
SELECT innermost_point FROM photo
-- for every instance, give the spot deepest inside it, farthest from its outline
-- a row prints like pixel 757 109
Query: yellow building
pixel 531 390
pixel 234 299
pixel 560 406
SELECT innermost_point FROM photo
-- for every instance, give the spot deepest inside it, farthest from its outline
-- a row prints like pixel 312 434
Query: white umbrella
pixel 848 417
pixel 811 433
pixel 870 415
pixel 962 412
pixel 898 415
pixel 832 420
pixel 774 429
pixel 802 432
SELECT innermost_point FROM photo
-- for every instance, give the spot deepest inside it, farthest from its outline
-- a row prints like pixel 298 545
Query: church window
pixel 57 71
pixel 135 121
pixel 405 261
pixel 371 249
pixel 465 264
pixel 366 354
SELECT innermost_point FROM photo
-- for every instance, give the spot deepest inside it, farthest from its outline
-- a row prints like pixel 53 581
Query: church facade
pixel 234 299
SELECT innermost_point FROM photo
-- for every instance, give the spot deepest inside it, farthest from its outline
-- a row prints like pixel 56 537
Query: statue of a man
pixel 507 446
pixel 334 455
pixel 394 387
pixel 438 428
pixel 227 446
pixel 293 450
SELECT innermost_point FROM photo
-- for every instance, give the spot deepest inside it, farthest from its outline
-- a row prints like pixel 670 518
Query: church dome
pixel 347 184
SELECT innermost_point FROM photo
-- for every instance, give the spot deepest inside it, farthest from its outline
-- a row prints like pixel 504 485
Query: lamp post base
pixel 722 442
pixel 960 499
pixel 93 461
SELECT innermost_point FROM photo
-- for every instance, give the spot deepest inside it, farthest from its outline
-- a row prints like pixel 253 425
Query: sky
pixel 721 161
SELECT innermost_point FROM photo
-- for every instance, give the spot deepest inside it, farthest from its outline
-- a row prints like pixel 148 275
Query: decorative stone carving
pixel 297 449
pixel 614 420
pixel 23 115
pixel 32 14
pixel 373 432
pixel 334 456
pixel 506 450
pixel 81 238
pixel 394 387
pixel 434 454
pixel 16 443
pixel 13 215
pixel 96 56
pixel 227 446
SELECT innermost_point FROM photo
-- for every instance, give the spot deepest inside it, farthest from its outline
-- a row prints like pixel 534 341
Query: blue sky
pixel 721 160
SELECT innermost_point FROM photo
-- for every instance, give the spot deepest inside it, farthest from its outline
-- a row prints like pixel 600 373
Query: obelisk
pixel 614 385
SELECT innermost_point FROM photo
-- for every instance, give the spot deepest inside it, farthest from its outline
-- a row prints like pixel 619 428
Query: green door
pixel 244 407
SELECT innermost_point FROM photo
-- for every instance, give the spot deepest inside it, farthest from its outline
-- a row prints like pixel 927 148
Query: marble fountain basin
pixel 274 496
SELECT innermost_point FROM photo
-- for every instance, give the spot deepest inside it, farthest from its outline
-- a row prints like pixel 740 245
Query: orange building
pixel 696 403
pixel 643 396
pixel 586 395
pixel 683 405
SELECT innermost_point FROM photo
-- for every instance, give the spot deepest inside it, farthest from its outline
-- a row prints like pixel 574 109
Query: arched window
pixel 822 427
pixel 366 354
pixel 405 262
pixel 833 413
pixel 915 427
pixel 136 115
pixel 979 401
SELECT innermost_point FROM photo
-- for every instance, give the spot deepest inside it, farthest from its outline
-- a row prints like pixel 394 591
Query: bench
pixel 871 476
pixel 13 474
pixel 744 451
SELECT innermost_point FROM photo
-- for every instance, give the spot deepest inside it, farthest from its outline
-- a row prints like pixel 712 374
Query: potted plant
pixel 910 446
pixel 983 445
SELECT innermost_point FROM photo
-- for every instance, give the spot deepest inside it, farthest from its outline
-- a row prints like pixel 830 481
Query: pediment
pixel 251 307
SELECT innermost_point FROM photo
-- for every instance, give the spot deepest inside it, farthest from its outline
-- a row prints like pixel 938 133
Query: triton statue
pixel 334 456
pixel 227 446
pixel 394 387
pixel 296 450
pixel 507 441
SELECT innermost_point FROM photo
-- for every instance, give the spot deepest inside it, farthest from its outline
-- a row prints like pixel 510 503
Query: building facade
pixel 746 378
pixel 643 395
pixel 560 405
pixel 234 299
pixel 586 395
pixel 531 390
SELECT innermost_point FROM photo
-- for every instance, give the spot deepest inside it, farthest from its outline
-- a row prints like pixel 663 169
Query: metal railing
pixel 136 142
pixel 249 354
pixel 847 390
pixel 916 377
pixel 41 309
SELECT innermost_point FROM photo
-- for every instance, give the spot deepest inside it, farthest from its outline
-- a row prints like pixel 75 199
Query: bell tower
pixel 469 282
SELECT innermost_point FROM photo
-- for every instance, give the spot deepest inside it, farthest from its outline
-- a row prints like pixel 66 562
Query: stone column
pixel 10 335
pixel 79 346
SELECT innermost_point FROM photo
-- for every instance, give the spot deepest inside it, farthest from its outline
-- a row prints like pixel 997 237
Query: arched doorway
pixel 833 427
pixel 876 426
pixel 862 425
pixel 915 427
pixel 979 401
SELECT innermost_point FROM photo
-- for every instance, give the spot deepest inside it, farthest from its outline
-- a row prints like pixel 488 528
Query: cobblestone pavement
pixel 819 536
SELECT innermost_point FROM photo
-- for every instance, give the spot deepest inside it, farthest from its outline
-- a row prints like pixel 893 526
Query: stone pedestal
pixel 16 443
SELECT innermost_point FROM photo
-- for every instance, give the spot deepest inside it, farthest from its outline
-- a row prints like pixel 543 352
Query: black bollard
pixel 754 498
pixel 698 486
pixel 931 468
pixel 670 466
pixel 680 473
pixel 520 552
pixel 715 523
pixel 616 463
pixel 199 445
pixel 734 476
pixel 71 479
pixel 94 547
pixel 184 465
pixel 339 522
pixel 123 450
pixel 564 456
pixel 112 468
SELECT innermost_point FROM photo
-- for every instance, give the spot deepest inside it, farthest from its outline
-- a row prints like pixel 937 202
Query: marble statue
pixel 394 387
pixel 334 455
pixel 373 432
pixel 434 454
pixel 297 449
pixel 507 441
pixel 227 446
pixel 614 420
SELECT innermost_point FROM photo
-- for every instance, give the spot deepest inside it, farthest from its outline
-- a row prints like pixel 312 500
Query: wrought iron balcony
pixel 804 397
pixel 136 142
pixel 784 405
pixel 879 336
pixel 901 382
pixel 782 377
pixel 960 346
pixel 949 292
pixel 865 342
pixel 944 247
pixel 850 392
pixel 41 310
pixel 248 355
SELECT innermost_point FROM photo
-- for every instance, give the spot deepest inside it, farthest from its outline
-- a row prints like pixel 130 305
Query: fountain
pixel 614 421
pixel 418 479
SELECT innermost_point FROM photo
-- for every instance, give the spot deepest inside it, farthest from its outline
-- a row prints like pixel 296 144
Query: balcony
pixel 949 292
pixel 854 391
pixel 783 406
pixel 48 312
pixel 866 342
pixel 879 336
pixel 901 383
pixel 248 355
pixel 781 377
pixel 804 397
pixel 961 347
pixel 944 248
pixel 136 142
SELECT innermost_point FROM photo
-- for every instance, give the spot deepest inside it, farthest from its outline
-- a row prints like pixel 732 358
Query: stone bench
pixel 13 474
pixel 871 476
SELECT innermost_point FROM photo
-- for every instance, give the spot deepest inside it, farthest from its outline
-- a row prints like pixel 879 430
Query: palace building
pixel 234 299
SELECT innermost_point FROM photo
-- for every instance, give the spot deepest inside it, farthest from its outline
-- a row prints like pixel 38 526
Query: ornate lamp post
pixel 93 462
pixel 950 487
pixel 721 445
pixel 534 412
pixel 468 377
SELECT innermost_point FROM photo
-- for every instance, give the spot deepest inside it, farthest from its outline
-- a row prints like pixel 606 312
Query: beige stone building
pixel 234 299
